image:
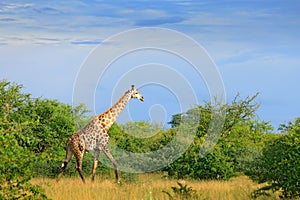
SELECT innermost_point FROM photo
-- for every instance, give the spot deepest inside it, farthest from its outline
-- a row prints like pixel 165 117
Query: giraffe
pixel 94 137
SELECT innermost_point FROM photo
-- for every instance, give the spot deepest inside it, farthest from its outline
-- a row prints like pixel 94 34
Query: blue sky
pixel 254 44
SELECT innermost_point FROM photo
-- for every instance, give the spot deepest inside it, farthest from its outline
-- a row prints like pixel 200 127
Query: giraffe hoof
pixel 119 182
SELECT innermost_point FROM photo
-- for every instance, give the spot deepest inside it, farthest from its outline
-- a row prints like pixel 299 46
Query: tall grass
pixel 147 186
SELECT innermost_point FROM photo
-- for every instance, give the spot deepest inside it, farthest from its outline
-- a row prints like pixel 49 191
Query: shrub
pixel 222 160
pixel 183 191
pixel 16 158
pixel 279 165
pixel 32 131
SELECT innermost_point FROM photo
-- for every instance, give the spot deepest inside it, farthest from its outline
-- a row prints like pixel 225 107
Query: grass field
pixel 148 187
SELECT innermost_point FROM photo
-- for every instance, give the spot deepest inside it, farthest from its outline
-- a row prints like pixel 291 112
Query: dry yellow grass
pixel 148 186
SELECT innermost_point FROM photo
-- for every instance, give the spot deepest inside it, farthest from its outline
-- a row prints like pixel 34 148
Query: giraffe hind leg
pixel 79 167
pixel 78 151
pixel 68 157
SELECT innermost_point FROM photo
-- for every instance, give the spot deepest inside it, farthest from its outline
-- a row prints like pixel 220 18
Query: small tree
pixel 218 163
pixel 279 165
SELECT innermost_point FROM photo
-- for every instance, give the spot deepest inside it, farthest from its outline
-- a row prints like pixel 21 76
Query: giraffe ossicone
pixel 93 137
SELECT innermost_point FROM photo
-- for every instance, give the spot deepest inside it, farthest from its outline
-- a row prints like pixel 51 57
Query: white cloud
pixel 12 6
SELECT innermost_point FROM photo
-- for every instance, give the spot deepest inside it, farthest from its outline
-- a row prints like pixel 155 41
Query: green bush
pixel 227 155
pixel 246 142
pixel 215 165
pixel 16 157
pixel 33 132
pixel 279 164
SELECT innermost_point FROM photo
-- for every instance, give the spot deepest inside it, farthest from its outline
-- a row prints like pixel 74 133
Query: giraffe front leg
pixel 107 153
pixel 96 157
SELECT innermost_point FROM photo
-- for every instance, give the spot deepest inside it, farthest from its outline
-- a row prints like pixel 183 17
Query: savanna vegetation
pixel 151 186
pixel 33 132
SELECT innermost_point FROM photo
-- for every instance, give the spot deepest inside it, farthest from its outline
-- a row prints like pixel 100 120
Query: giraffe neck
pixel 107 118
pixel 117 108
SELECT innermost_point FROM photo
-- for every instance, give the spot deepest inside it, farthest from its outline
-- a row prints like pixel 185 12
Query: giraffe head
pixel 136 94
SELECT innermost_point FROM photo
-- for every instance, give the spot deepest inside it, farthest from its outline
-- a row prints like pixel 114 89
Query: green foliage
pixel 245 143
pixel 290 126
pixel 279 164
pixel 16 156
pixel 151 138
pixel 227 156
pixel 139 137
pixel 215 165
pixel 32 134
pixel 183 191
pixel 238 112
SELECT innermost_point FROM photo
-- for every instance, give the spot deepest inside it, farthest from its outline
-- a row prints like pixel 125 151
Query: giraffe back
pixel 94 135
